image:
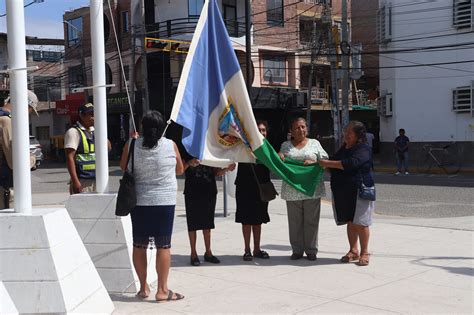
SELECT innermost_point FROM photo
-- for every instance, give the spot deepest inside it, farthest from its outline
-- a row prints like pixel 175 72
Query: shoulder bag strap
pixel 131 149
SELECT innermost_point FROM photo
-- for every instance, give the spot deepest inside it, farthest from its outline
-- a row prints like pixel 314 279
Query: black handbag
pixel 266 190
pixel 127 196
pixel 366 192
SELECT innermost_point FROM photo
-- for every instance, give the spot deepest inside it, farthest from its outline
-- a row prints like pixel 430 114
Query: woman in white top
pixel 303 211
pixel 156 163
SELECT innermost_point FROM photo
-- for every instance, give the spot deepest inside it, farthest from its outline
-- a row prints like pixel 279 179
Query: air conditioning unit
pixel 385 105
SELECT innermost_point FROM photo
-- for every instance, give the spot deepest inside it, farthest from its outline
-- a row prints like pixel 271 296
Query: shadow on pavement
pixel 466 271
pixel 236 260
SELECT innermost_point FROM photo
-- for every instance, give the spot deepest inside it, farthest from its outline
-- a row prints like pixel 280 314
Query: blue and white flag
pixel 212 102
pixel 213 106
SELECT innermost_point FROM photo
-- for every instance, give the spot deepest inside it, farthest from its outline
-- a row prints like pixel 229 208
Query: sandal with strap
pixel 364 259
pixel 170 297
pixel 350 256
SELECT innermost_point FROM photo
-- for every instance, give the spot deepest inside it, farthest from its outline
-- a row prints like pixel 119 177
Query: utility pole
pixel 311 72
pixel 334 87
pixel 345 47
pixel 248 46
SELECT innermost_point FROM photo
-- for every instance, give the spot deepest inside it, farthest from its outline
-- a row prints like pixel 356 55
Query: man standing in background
pixel 80 151
pixel 6 159
pixel 401 150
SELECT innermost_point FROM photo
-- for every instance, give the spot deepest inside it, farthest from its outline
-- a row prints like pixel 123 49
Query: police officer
pixel 80 151
pixel 6 159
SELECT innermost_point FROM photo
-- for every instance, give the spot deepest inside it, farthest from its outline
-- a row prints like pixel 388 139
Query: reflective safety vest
pixel 85 155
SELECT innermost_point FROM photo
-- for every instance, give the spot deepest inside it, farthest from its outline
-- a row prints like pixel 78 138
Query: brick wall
pixel 364 30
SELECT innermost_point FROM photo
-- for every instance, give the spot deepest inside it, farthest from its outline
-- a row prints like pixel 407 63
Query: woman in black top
pixel 350 167
pixel 200 192
pixel 251 210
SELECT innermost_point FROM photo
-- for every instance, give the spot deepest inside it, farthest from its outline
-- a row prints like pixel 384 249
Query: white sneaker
pixel 397 173
pixel 406 173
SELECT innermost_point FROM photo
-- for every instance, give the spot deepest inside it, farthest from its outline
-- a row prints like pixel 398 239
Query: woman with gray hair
pixel 350 170
pixel 303 211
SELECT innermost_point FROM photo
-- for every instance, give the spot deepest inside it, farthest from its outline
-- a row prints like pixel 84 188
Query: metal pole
pixel 19 100
pixel 311 72
pixel 334 88
pixel 224 184
pixel 248 46
pixel 100 100
pixel 144 62
pixel 345 66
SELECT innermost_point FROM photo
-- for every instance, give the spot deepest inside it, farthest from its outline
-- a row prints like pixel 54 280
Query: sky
pixel 44 19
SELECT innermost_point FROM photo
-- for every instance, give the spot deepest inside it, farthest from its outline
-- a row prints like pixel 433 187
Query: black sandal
pixel 248 256
pixel 261 254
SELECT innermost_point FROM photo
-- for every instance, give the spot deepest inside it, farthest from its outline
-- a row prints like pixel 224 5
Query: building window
pixel 463 99
pixel 384 24
pixel 195 7
pixel 76 76
pixel 275 12
pixel 274 70
pixel 74 31
pixel 462 14
pixel 125 22
pixel 47 88
pixel 42 133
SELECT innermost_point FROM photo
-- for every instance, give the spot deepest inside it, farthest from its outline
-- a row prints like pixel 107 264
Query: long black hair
pixel 359 130
pixel 153 126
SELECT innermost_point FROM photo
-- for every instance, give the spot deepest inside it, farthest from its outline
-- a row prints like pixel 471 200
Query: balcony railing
pixel 176 27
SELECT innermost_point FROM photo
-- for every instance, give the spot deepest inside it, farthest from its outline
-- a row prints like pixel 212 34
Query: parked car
pixel 36 151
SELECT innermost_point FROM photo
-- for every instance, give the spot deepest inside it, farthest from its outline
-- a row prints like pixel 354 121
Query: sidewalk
pixel 413 269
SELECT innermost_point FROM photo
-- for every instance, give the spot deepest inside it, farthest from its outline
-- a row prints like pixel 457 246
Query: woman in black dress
pixel 251 210
pixel 200 192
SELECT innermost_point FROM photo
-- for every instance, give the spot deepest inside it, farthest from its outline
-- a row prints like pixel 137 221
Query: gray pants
pixel 303 223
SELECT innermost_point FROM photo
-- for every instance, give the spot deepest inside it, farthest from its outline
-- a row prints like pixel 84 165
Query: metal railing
pixel 175 27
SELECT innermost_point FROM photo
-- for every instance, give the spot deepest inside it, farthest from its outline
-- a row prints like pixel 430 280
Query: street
pixel 415 195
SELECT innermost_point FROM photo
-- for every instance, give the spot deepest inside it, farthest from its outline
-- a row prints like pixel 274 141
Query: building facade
pixel 78 67
pixel 282 32
pixel 45 82
pixel 426 75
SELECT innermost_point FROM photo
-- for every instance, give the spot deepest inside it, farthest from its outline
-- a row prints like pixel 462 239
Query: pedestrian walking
pixel 350 168
pixel 156 163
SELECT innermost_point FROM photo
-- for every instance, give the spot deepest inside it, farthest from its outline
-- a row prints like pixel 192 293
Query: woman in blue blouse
pixel 350 167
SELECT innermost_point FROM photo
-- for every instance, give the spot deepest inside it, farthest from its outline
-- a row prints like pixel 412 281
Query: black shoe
pixel 195 261
pixel 261 254
pixel 311 257
pixel 212 259
pixel 247 256
pixel 295 256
